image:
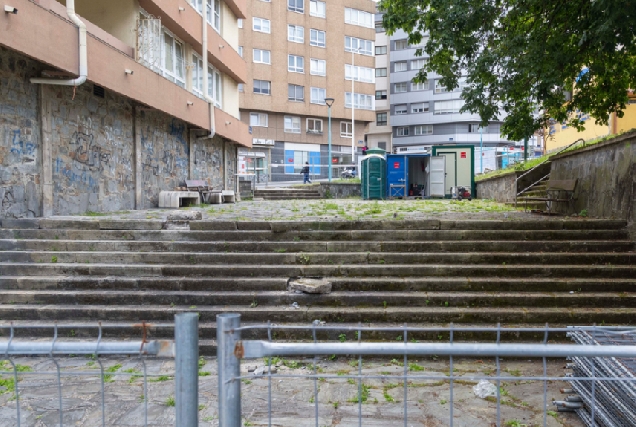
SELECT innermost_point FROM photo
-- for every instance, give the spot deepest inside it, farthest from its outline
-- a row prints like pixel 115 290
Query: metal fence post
pixel 186 337
pixel 229 368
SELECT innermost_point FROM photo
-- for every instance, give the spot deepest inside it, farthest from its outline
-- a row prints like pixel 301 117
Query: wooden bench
pixel 177 199
pixel 557 191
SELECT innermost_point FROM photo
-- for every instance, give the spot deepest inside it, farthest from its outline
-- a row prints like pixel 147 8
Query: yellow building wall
pixel 229 26
pixel 116 17
pixel 230 97
pixel 628 121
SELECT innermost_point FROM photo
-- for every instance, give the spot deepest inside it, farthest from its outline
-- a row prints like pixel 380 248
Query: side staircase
pixel 537 190
pixel 424 273
pixel 287 193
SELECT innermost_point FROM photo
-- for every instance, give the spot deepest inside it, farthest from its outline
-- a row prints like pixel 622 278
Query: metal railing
pixel 231 350
pixel 60 353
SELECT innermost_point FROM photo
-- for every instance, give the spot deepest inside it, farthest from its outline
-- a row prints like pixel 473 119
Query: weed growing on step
pixel 54 259
pixel 303 258
pixel 342 337
pixel 161 378
pixel 170 401
pixel 364 396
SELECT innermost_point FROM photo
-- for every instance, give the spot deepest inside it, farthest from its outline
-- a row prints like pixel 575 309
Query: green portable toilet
pixel 373 174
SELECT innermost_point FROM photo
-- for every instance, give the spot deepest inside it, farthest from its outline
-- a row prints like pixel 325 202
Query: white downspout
pixel 204 55
pixel 83 56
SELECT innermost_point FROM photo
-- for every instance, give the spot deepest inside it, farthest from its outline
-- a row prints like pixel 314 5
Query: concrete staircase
pixel 426 272
pixel 287 193
pixel 537 190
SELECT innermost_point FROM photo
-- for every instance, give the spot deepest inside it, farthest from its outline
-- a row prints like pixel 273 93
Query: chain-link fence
pixel 424 376
pixel 78 380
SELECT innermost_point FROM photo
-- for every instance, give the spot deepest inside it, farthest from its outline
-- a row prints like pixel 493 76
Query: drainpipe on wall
pixel 83 56
pixel 204 55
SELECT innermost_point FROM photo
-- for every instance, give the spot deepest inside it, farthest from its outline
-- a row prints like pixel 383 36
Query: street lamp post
pixel 329 102
pixel 353 106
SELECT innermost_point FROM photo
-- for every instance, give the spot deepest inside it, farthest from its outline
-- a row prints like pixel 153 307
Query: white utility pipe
pixel 83 56
pixel 204 55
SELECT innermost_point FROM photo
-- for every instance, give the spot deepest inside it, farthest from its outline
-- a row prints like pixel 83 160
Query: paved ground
pixel 293 404
pixel 341 209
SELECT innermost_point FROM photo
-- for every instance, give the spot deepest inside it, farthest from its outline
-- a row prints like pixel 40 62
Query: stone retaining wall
pixel 66 150
pixel 503 188
pixel 339 190
pixel 606 174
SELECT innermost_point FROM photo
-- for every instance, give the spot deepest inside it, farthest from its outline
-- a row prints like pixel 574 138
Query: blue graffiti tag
pixel 21 148
pixel 178 131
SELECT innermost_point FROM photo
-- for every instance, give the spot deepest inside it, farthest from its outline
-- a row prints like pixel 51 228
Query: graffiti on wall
pixel 86 152
pixel 25 150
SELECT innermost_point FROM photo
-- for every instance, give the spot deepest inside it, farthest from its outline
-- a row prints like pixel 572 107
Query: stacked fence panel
pixel 610 401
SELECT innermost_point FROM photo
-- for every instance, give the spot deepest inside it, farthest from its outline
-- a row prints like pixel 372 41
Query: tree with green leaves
pixel 524 57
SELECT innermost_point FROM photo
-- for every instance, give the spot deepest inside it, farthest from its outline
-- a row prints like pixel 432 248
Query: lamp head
pixel 329 101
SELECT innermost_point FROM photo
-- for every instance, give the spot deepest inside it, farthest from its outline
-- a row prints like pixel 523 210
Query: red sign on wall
pixel 396 165
pixel 463 155
pixel 290 160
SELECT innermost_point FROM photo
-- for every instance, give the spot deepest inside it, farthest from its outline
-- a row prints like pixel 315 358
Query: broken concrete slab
pixel 185 216
pixel 310 285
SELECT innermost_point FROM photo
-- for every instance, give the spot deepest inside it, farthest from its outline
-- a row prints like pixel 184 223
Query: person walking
pixel 305 172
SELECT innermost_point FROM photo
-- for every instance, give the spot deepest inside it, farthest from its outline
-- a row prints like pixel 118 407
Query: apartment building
pixel 104 103
pixel 426 114
pixel 379 133
pixel 298 53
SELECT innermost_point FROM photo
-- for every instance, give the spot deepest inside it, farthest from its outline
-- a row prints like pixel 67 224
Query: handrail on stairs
pixel 539 164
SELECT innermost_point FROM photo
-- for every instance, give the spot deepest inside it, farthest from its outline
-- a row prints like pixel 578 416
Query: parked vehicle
pixel 348 173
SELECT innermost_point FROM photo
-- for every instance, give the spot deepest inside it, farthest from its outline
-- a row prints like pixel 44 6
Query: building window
pixel 380 72
pixel 318 95
pixel 381 119
pixel 360 74
pixel 361 46
pixel 295 34
pixel 296 6
pixel 317 8
pixel 240 51
pixel 420 107
pixel 403 131
pixel 417 64
pixel 475 128
pixel 258 119
pixel 423 130
pixel 400 87
pixel 318 67
pixel 215 86
pixel 262 56
pixel 358 17
pixel 197 75
pixel 314 125
pixel 400 66
pixel 401 44
pixel 173 59
pixel 380 50
pixel 239 22
pixel 360 101
pixel 401 109
pixel 448 107
pixel 439 88
pixel 382 145
pixel 419 86
pixel 317 38
pixel 260 25
pixel 241 87
pixel 263 87
pixel 346 130
pixel 295 64
pixel 214 14
pixel 295 92
pixel 292 124
pixel 380 94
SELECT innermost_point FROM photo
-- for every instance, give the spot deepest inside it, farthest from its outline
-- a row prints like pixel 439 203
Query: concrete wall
pixel 500 188
pixel 20 146
pixel 339 190
pixel 606 175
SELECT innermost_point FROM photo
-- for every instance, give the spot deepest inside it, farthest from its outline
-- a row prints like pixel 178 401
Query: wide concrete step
pixel 329 270
pixel 77 330
pixel 303 314
pixel 313 236
pixel 318 246
pixel 291 197
pixel 354 284
pixel 306 258
pixel 534 193
pixel 21 228
pixel 195 299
